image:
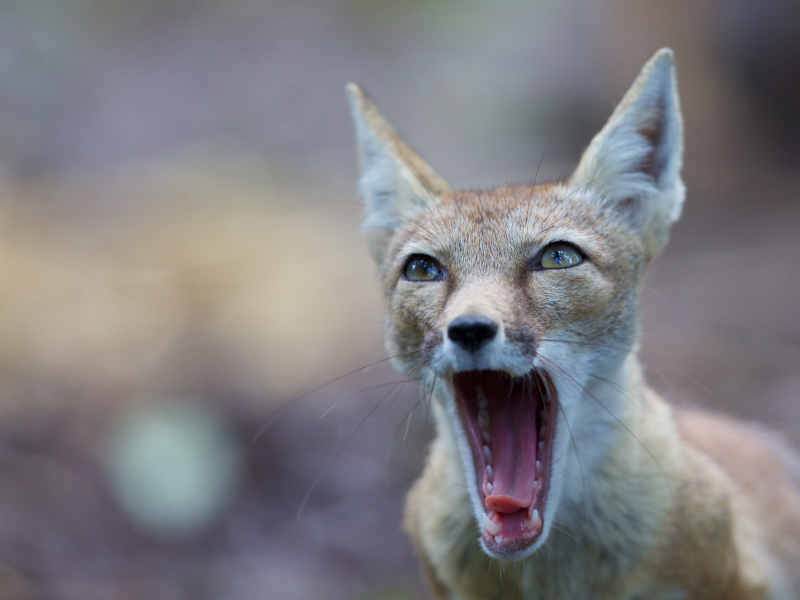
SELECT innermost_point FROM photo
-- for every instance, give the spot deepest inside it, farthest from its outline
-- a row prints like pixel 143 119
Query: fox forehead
pixel 497 231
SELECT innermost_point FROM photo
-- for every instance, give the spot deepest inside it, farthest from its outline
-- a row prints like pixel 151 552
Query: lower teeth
pixel 490 526
pixel 532 522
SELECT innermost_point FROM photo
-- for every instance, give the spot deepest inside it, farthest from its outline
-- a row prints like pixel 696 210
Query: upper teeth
pixel 483 401
pixel 483 424
pixel 483 419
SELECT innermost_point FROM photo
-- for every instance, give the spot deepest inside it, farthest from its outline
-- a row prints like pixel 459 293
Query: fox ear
pixel 396 183
pixel 633 165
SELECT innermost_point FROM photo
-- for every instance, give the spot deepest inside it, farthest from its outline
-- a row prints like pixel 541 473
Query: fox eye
pixel 423 268
pixel 559 255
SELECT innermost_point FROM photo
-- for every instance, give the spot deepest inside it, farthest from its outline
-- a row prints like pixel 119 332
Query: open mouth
pixel 509 422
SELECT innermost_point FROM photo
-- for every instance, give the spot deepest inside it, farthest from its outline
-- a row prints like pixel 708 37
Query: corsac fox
pixel 556 472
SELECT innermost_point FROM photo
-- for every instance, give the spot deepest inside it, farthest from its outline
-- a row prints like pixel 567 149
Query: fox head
pixel 512 305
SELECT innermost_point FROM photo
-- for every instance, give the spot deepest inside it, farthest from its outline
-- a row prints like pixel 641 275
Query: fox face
pixel 517 306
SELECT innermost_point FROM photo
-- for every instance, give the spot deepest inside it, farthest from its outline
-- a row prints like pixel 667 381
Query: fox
pixel 555 471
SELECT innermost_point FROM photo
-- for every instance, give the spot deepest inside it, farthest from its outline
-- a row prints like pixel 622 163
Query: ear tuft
pixel 633 165
pixel 396 183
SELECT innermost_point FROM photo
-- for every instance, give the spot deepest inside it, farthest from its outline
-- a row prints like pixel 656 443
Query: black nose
pixel 471 331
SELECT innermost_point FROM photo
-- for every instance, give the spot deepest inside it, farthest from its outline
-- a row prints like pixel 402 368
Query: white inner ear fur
pixel 389 188
pixel 633 165
pixel 397 185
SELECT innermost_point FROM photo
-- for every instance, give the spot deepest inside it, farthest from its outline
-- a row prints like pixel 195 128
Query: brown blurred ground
pixel 176 227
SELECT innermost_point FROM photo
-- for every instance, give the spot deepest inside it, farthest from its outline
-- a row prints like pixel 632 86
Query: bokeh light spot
pixel 173 467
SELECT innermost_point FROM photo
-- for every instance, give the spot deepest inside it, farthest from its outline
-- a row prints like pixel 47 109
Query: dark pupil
pixel 558 257
pixel 424 269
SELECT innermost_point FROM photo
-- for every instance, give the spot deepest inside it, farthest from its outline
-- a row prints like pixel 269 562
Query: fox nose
pixel 471 331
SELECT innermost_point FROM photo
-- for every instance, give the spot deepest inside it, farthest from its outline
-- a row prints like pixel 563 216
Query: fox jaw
pixel 517 307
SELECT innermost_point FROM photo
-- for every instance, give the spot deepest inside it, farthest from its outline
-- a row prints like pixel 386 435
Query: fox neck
pixel 616 469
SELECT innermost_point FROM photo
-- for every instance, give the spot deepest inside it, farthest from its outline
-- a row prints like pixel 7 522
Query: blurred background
pixel 179 259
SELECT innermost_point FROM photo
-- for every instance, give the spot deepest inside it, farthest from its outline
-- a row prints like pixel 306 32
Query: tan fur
pixel 650 502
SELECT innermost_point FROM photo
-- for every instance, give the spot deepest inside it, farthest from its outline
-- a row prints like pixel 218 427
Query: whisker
pixel 541 158
pixel 419 402
pixel 563 529
pixel 428 454
pixel 631 398
pixel 322 416
pixel 400 426
pixel 402 386
pixel 604 407
pixel 408 421
pixel 343 444
pixel 294 401
pixel 640 354
pixel 427 420
pixel 353 395
pixel 574 446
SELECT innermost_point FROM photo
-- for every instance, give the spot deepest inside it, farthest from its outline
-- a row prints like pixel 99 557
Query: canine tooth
pixel 490 526
pixel 538 465
pixel 489 471
pixel 483 419
pixel 541 446
pixel 498 538
pixel 483 401
pixel 489 485
pixel 487 452
pixel 535 485
pixel 486 436
pixel 533 521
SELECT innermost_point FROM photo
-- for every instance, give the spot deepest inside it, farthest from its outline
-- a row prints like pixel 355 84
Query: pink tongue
pixel 512 423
